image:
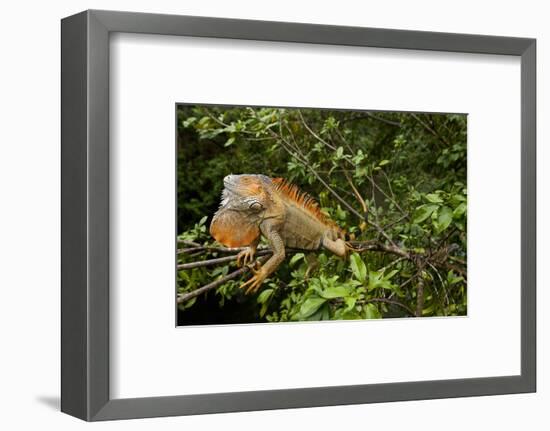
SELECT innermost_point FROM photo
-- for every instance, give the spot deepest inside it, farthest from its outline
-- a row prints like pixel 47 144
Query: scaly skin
pixel 256 205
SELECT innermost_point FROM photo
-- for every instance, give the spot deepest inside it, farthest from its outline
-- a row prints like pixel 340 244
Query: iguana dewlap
pixel 256 205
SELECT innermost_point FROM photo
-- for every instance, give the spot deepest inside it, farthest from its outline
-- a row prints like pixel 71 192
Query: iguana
pixel 256 205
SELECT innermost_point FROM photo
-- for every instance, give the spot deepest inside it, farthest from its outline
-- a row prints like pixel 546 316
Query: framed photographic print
pixel 262 215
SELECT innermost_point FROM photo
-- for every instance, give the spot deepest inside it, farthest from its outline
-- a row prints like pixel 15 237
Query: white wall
pixel 29 214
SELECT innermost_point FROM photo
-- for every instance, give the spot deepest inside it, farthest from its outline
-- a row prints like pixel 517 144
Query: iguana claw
pixel 254 267
pixel 246 257
pixel 254 283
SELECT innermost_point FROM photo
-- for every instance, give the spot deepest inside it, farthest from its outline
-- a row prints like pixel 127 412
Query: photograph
pixel 299 214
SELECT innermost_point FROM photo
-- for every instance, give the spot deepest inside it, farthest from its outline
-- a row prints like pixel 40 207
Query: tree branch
pixel 360 246
pixel 188 243
pixel 357 194
pixel 211 262
pixel 420 296
pixel 182 297
pixel 315 135
pixel 393 302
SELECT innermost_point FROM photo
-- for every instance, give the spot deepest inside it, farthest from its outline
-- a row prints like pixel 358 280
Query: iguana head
pixel 245 192
pixel 244 200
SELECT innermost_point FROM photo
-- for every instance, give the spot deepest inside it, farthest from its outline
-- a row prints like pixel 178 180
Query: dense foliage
pixel 396 182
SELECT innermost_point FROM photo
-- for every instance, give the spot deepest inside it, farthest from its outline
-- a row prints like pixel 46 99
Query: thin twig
pixel 393 302
pixel 375 185
pixel 360 246
pixel 332 147
pixel 221 123
pixel 407 281
pixel 392 263
pixel 393 223
pixel 420 296
pixel 211 262
pixel 182 297
pixel 189 243
pixel 344 140
pixel 390 187
pixel 357 194
pixel 442 286
pixel 430 129
pixel 457 259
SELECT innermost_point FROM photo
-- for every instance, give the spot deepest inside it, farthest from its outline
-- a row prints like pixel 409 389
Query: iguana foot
pixel 254 267
pixel 246 257
pixel 254 283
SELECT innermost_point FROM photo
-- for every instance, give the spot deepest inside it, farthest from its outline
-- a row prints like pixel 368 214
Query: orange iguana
pixel 256 205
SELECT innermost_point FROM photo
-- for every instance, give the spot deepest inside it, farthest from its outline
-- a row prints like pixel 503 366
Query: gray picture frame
pixel 85 214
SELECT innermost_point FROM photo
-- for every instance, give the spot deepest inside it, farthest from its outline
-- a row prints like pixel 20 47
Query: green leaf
pixel 186 123
pixel 452 279
pixel 445 218
pixel 350 302
pixel 459 210
pixel 375 279
pixel 359 157
pixel 434 198
pixel 358 267
pixel 203 121
pixel 229 142
pixel 361 171
pixel 188 304
pixel 296 258
pixel 311 305
pixel 455 280
pixel 325 312
pixel 383 162
pixel 390 274
pixel 339 152
pixel 264 296
pixel 371 312
pixel 335 292
pixel 423 212
pixel 231 128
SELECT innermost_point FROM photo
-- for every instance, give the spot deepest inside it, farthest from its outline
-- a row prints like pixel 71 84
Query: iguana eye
pixel 256 206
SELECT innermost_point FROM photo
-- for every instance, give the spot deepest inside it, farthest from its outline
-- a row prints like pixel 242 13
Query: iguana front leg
pixel 269 229
pixel 246 257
